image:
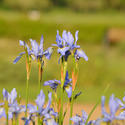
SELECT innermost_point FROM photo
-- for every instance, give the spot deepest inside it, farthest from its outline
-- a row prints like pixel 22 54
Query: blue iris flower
pixel 67 45
pixel 113 105
pixel 39 110
pixel 81 120
pixel 10 97
pixel 28 120
pixel 122 104
pixel 67 84
pixel 48 120
pixel 13 107
pixel 52 83
pixel 37 50
pixel 26 48
pixel 80 54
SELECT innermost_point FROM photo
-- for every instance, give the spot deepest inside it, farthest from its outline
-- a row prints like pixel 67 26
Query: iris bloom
pixel 39 110
pixel 113 105
pixel 122 104
pixel 67 85
pixel 37 50
pixel 81 120
pixel 67 45
pixel 13 107
pixel 26 48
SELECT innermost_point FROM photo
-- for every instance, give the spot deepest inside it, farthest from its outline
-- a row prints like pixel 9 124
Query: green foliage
pixel 105 65
pixel 78 5
pixel 86 5
pixel 116 4
pixel 28 4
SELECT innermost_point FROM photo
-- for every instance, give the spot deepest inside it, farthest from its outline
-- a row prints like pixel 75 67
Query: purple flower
pixel 28 120
pixel 13 107
pixel 81 120
pixel 47 113
pixel 2 113
pixel 27 51
pixel 5 94
pixel 10 97
pixel 80 54
pixel 67 85
pixel 39 108
pixel 16 109
pixel 52 83
pixel 113 105
pixel 122 104
pixel 37 50
pixel 40 100
pixel 67 46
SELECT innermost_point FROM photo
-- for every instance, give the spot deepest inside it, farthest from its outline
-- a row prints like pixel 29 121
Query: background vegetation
pixel 21 19
pixel 77 5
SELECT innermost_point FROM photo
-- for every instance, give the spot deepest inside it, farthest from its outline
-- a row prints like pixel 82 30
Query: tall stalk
pixel 28 68
pixel 14 119
pixel 71 108
pixel 63 74
pixel 39 74
pixel 40 71
pixel 74 81
pixel 6 108
pixel 27 90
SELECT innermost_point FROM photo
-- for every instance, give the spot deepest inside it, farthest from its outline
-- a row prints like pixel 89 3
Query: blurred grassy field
pixel 105 65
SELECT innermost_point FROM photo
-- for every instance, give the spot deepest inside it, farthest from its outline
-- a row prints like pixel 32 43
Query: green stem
pixel 71 108
pixel 14 119
pixel 61 110
pixel 39 84
pixel 6 107
pixel 62 93
pixel 40 70
pixel 17 120
pixel 27 91
pixel 38 120
pixel 75 70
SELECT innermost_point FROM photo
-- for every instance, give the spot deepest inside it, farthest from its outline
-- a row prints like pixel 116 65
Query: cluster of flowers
pixel 53 113
pixel 50 117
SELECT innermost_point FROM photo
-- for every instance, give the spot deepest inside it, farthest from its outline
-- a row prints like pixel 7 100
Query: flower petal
pixel 113 105
pixel 68 89
pixel 80 54
pixel 35 47
pixel 41 44
pixel 18 57
pixel 48 53
pixel 76 36
pixel 40 100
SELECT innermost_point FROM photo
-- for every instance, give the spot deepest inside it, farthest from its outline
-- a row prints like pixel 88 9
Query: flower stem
pixel 17 121
pixel 39 74
pixel 6 107
pixel 28 69
pixel 63 74
pixel 38 120
pixel 74 81
pixel 71 108
pixel 27 91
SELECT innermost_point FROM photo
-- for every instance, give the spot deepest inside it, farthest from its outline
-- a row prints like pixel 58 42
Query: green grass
pixel 92 27
pixel 105 65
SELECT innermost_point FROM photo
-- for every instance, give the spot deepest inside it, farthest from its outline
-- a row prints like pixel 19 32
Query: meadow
pixel 105 65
